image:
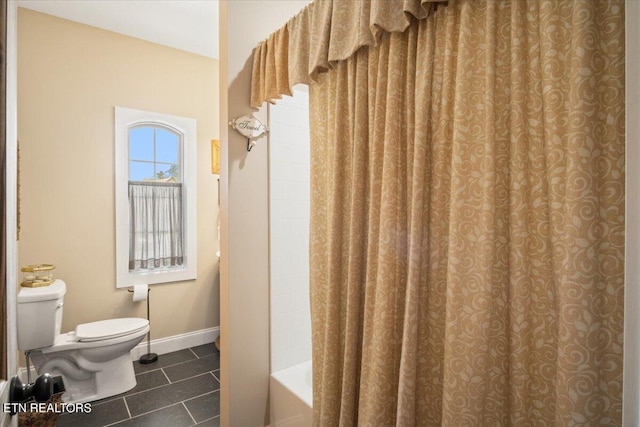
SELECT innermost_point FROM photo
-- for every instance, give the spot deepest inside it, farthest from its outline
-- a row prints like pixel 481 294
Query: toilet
pixel 94 360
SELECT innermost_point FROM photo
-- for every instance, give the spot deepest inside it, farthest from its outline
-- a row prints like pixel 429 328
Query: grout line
pixel 127 406
pixel 192 377
pixel 165 385
pixel 188 412
pixel 200 395
pixel 165 375
pixel 209 419
pixel 145 390
pixel 168 366
pixel 158 386
pixel 214 374
pixel 194 353
pixel 175 364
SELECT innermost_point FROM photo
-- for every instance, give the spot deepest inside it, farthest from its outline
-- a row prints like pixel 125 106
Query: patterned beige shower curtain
pixel 467 226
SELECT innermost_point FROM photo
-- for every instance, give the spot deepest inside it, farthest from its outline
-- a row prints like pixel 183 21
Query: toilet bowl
pixel 94 360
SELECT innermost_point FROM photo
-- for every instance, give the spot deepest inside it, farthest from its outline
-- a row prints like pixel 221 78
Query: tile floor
pixel 180 389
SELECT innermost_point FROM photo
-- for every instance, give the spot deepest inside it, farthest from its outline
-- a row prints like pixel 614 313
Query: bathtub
pixel 291 396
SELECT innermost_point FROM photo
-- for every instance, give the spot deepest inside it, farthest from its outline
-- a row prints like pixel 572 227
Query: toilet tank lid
pixel 111 328
pixel 55 290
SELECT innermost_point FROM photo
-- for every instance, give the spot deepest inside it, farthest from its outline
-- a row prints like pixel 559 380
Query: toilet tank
pixel 40 315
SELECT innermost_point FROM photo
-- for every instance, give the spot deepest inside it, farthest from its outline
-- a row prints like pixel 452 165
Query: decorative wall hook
pixel 249 127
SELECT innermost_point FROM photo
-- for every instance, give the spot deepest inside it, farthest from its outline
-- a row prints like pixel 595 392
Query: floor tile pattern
pixel 181 389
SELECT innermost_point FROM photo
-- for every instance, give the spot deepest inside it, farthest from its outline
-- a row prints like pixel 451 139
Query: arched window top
pixel 155 153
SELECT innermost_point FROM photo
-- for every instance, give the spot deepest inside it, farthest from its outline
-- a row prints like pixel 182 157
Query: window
pixel 155 197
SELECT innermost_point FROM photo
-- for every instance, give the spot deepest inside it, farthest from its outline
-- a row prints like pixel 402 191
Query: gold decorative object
pixel 215 156
pixel 37 275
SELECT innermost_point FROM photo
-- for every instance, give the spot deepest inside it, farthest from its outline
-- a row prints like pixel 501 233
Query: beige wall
pixel 244 289
pixel 70 77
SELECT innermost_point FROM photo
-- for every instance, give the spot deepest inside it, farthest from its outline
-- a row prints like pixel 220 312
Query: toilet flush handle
pixel 60 304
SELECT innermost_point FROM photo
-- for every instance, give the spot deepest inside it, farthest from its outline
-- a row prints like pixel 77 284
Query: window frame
pixel 125 119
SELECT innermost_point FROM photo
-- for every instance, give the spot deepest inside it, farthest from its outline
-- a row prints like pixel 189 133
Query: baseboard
pixel 158 346
pixel 177 342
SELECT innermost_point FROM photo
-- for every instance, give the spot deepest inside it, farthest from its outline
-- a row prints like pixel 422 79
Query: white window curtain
pixel 156 232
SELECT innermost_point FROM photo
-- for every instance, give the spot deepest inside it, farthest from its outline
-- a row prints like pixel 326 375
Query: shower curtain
pixel 467 225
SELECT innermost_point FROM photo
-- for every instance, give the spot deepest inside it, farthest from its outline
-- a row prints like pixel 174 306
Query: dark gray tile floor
pixel 180 389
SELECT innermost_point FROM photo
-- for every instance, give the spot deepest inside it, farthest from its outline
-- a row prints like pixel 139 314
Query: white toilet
pixel 94 360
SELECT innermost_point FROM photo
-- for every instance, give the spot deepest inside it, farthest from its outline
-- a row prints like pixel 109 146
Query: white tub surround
pixel 292 396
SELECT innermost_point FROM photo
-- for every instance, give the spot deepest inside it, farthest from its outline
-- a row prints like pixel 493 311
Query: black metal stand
pixel 149 357
pixel 145 359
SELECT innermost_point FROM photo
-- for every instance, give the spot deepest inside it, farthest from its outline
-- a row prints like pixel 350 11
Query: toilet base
pixel 114 377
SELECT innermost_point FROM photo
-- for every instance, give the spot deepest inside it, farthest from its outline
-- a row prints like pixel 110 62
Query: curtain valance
pixel 322 34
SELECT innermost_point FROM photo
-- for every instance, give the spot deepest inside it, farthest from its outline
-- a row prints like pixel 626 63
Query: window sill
pixel 155 277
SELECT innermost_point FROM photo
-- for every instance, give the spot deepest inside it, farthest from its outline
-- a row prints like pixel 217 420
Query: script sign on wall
pixel 249 127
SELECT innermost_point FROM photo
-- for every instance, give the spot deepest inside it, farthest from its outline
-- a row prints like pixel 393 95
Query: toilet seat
pixel 108 329
pixel 101 336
